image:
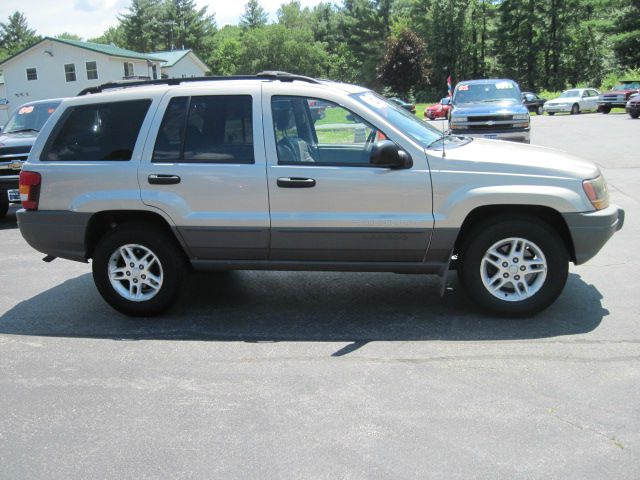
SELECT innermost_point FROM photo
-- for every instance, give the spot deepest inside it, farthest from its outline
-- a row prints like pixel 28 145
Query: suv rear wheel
pixel 138 270
pixel 514 267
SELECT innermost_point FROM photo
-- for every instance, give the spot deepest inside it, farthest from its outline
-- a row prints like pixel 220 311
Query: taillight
pixel 30 189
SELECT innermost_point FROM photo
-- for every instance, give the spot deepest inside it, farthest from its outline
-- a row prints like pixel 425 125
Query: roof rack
pixel 266 75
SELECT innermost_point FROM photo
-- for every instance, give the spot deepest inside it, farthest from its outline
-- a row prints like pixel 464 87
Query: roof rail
pixel 266 75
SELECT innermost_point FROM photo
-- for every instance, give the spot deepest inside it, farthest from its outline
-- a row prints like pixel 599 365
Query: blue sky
pixel 89 18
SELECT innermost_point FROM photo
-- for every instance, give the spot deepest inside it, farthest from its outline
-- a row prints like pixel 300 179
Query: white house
pixel 4 116
pixel 54 68
pixel 181 64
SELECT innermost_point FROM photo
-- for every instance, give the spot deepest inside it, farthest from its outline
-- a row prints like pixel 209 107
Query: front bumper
pixel 9 182
pixel 591 230
pixel 522 135
pixel 612 104
pixel 556 108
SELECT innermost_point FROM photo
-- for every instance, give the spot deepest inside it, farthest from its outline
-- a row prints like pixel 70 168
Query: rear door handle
pixel 296 182
pixel 160 179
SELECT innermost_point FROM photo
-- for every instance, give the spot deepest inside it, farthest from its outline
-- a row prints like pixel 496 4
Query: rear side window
pixel 206 129
pixel 103 131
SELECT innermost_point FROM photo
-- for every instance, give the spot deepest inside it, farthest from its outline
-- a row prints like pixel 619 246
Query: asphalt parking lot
pixel 330 375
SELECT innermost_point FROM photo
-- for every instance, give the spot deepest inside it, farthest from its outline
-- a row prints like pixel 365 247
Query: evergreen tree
pixel 142 26
pixel 254 15
pixel 190 27
pixel 15 34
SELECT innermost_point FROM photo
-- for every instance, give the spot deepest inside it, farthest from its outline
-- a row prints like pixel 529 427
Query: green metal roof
pixel 111 50
pixel 172 57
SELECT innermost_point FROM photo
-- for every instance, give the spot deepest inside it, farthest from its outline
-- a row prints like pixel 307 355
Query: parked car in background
pixel 439 110
pixel 16 140
pixel 491 109
pixel 411 107
pixel 633 106
pixel 574 101
pixel 318 109
pixel 618 96
pixel 533 102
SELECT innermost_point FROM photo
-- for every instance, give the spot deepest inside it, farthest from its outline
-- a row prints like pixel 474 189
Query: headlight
pixel 597 192
pixel 521 116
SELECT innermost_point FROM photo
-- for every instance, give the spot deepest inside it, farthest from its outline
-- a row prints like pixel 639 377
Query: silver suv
pixel 148 180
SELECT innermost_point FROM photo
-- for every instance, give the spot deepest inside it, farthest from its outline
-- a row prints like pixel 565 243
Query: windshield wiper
pixel 21 130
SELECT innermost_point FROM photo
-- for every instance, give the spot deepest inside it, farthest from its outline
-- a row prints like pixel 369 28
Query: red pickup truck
pixel 618 96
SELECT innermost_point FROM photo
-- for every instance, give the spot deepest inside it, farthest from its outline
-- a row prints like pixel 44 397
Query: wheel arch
pixel 494 213
pixel 102 222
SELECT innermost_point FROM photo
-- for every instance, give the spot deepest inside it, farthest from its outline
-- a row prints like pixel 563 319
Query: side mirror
pixel 387 154
pixel 445 101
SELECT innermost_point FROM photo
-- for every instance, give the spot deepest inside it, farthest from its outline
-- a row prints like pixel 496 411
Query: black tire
pixel 634 113
pixel 539 110
pixel 169 254
pixel 531 229
pixel 605 110
pixel 575 109
pixel 551 114
pixel 4 203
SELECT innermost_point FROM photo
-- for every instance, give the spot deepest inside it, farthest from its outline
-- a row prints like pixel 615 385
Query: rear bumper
pixel 591 230
pixel 56 233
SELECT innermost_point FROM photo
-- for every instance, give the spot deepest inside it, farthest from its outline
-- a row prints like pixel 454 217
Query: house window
pixel 70 72
pixel 128 69
pixel 92 70
pixel 32 74
pixel 154 70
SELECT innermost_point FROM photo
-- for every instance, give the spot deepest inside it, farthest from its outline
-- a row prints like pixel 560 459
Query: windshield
pixel 488 92
pixel 30 117
pixel 570 93
pixel 408 123
pixel 627 86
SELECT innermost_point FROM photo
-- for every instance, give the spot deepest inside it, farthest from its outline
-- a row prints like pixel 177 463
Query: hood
pixel 496 156
pixel 23 139
pixel 505 107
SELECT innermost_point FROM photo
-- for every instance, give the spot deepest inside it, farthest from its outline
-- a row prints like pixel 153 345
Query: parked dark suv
pixel 16 140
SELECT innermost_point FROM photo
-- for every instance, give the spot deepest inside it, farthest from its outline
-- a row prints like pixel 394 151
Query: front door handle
pixel 296 182
pixel 160 179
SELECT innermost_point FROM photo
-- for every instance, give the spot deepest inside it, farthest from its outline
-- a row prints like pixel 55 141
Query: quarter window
pixel 92 70
pixel 206 129
pixel 104 131
pixel 314 131
pixel 32 74
pixel 70 72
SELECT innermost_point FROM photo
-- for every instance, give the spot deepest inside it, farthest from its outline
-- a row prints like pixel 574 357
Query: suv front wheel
pixel 138 270
pixel 514 267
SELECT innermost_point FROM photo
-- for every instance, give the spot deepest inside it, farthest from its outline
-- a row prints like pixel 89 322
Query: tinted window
pixel 168 146
pixel 104 131
pixel 217 129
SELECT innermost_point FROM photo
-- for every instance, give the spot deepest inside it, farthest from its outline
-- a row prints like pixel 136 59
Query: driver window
pixel 314 131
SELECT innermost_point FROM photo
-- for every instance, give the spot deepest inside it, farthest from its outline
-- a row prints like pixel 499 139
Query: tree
pixel 292 15
pixel 254 15
pixel 403 67
pixel 141 26
pixel 626 33
pixel 15 34
pixel 190 27
pixel 69 36
pixel 113 35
